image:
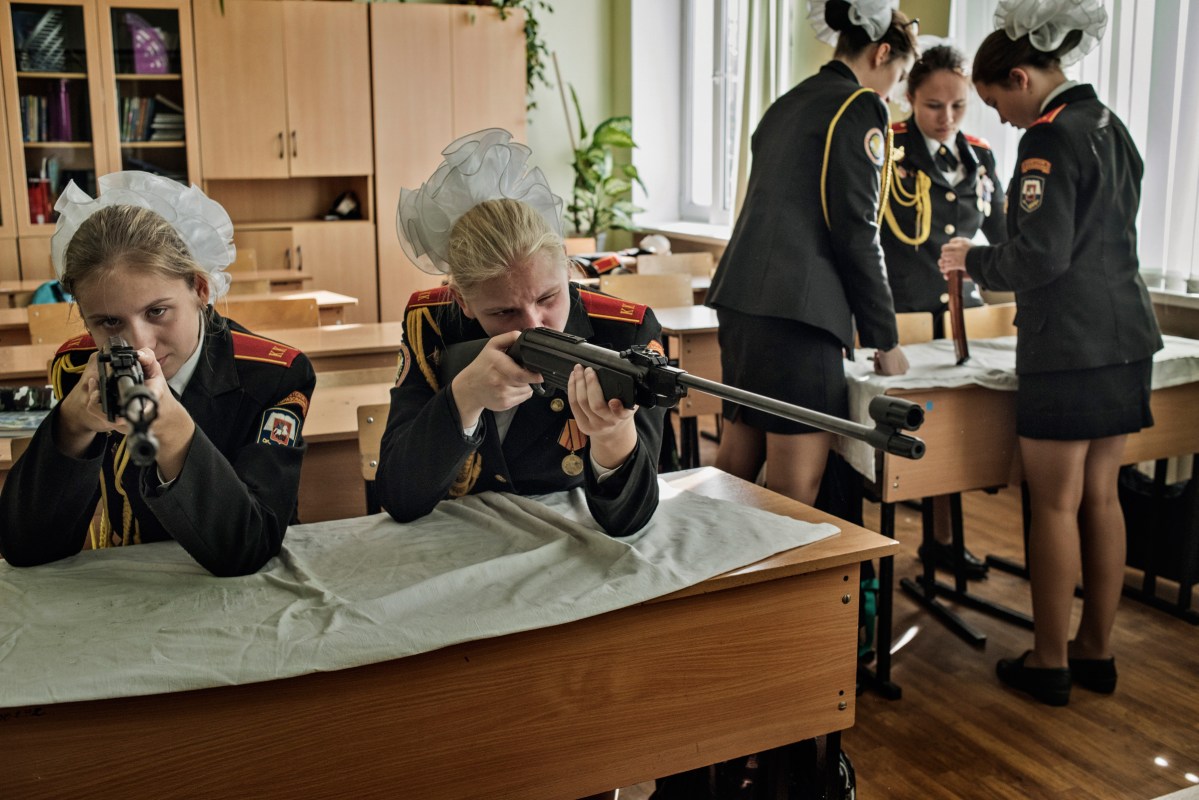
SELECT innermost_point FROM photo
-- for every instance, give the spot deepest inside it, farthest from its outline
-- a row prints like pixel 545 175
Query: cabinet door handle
pixel 299 258
pixel 287 258
pixel 281 153
pixel 294 152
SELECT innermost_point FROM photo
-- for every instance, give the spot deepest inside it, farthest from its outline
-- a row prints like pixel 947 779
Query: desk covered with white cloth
pixel 502 646
pixel 970 416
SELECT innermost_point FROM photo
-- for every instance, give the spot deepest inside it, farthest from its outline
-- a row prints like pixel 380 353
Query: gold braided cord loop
pixel 920 199
pixel 828 146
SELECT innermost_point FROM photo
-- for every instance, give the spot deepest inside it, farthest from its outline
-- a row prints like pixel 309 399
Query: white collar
pixel 181 378
pixel 1061 87
pixel 933 145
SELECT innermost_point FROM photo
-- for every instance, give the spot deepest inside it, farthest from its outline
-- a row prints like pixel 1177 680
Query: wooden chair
pixel 988 322
pixel 54 323
pixel 247 260
pixel 660 291
pixel 268 314
pixel 579 245
pixel 697 265
pixel 914 327
pixel 372 420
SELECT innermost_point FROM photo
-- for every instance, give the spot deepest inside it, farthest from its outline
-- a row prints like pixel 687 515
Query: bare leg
pixel 795 464
pixel 1103 548
pixel 1054 471
pixel 742 450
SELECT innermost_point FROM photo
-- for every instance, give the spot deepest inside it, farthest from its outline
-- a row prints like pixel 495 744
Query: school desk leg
pixel 880 678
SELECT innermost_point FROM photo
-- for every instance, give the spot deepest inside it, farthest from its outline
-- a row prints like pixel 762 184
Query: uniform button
pixel 945 297
pixel 556 404
pixel 950 229
pixel 950 196
pixel 500 479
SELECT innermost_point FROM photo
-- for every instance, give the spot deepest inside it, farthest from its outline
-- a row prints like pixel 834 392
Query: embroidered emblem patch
pixel 403 362
pixel 876 146
pixel 296 399
pixel 1032 192
pixel 656 347
pixel 279 426
pixel 1037 164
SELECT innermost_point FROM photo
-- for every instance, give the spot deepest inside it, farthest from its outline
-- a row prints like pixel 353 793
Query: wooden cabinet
pixel 284 88
pixel 472 76
pixel 340 257
pixel 81 101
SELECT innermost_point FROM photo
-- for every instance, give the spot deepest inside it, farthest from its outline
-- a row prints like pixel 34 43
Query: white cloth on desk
pixel 992 365
pixel 146 619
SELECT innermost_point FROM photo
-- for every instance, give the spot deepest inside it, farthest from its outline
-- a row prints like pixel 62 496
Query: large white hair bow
pixel 1047 22
pixel 201 222
pixel 481 166
pixel 873 16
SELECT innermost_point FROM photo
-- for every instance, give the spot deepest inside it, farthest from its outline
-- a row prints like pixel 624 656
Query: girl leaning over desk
pixel 1086 330
pixel 804 264
pixel 493 229
pixel 944 185
pixel 145 261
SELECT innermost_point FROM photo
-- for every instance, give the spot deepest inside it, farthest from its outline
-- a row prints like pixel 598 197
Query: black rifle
pixel 123 394
pixel 641 376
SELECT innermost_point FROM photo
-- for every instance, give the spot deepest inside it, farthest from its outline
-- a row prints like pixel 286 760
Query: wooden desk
pixel 692 339
pixel 14 326
pixel 15 293
pixel 342 347
pixel 331 484
pixel 753 659
pixel 331 304
pixel 699 286
pixel 26 364
pixel 268 280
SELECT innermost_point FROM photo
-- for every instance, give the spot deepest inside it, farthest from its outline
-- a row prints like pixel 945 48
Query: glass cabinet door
pixel 53 103
pixel 147 64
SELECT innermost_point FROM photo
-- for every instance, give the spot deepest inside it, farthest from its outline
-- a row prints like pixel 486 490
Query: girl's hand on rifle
pixel 80 416
pixel 953 254
pixel 493 381
pixel 607 422
pixel 173 426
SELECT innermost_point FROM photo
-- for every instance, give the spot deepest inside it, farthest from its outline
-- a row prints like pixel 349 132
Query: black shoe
pixel 1095 674
pixel 1050 685
pixel 942 559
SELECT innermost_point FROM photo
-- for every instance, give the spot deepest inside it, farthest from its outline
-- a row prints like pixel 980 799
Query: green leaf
pixel 617 186
pixel 578 113
pixel 615 132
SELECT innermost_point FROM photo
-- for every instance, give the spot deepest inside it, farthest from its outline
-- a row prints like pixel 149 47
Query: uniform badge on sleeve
pixel 1032 192
pixel 279 426
pixel 876 146
pixel 403 362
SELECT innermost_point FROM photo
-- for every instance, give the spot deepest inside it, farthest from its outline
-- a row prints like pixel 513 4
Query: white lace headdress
pixel 873 16
pixel 201 222
pixel 1047 22
pixel 481 166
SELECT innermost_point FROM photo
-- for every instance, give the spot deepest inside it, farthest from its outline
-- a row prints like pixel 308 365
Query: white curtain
pixel 766 75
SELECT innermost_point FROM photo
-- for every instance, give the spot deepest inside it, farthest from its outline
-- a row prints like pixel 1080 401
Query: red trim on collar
pixel 438 296
pixel 82 342
pixel 899 127
pixel 1049 116
pixel 978 141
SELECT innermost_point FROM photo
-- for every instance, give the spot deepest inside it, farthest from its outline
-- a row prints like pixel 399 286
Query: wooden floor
pixel 958 733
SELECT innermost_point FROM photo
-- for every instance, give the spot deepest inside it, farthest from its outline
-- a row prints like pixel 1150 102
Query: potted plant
pixel 599 202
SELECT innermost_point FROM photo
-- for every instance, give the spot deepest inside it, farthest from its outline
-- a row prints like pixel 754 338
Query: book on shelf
pixel 167 102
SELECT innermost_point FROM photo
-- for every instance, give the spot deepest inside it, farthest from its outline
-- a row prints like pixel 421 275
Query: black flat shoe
pixel 942 559
pixel 1050 685
pixel 1094 674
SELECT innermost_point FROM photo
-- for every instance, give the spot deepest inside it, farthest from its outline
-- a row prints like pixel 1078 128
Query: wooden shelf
pixel 60 145
pixel 153 145
pixel 74 75
pixel 137 76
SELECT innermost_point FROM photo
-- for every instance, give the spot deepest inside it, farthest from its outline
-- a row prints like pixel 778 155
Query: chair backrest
pixel 699 265
pixel 372 420
pixel 914 327
pixel 577 245
pixel 656 291
pixel 263 314
pixel 988 322
pixel 54 323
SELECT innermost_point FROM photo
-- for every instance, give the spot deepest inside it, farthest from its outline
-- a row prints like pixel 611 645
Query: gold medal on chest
pixel 572 465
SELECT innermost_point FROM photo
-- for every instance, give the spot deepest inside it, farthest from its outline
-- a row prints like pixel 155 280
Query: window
pixel 712 66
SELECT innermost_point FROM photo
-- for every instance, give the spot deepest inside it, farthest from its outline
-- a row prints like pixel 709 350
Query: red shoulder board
pixel 1050 116
pixel 899 127
pixel 248 347
pixel 603 306
pixel 81 342
pixel 431 297
pixel 978 141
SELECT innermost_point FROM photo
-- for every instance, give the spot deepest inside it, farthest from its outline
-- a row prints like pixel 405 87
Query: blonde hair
pixel 129 236
pixel 494 237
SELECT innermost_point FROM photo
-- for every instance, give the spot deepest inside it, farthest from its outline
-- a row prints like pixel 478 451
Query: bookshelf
pixel 53 99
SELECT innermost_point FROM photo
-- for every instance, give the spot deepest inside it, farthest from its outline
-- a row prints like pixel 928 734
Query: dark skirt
pixel 1082 404
pixel 784 360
